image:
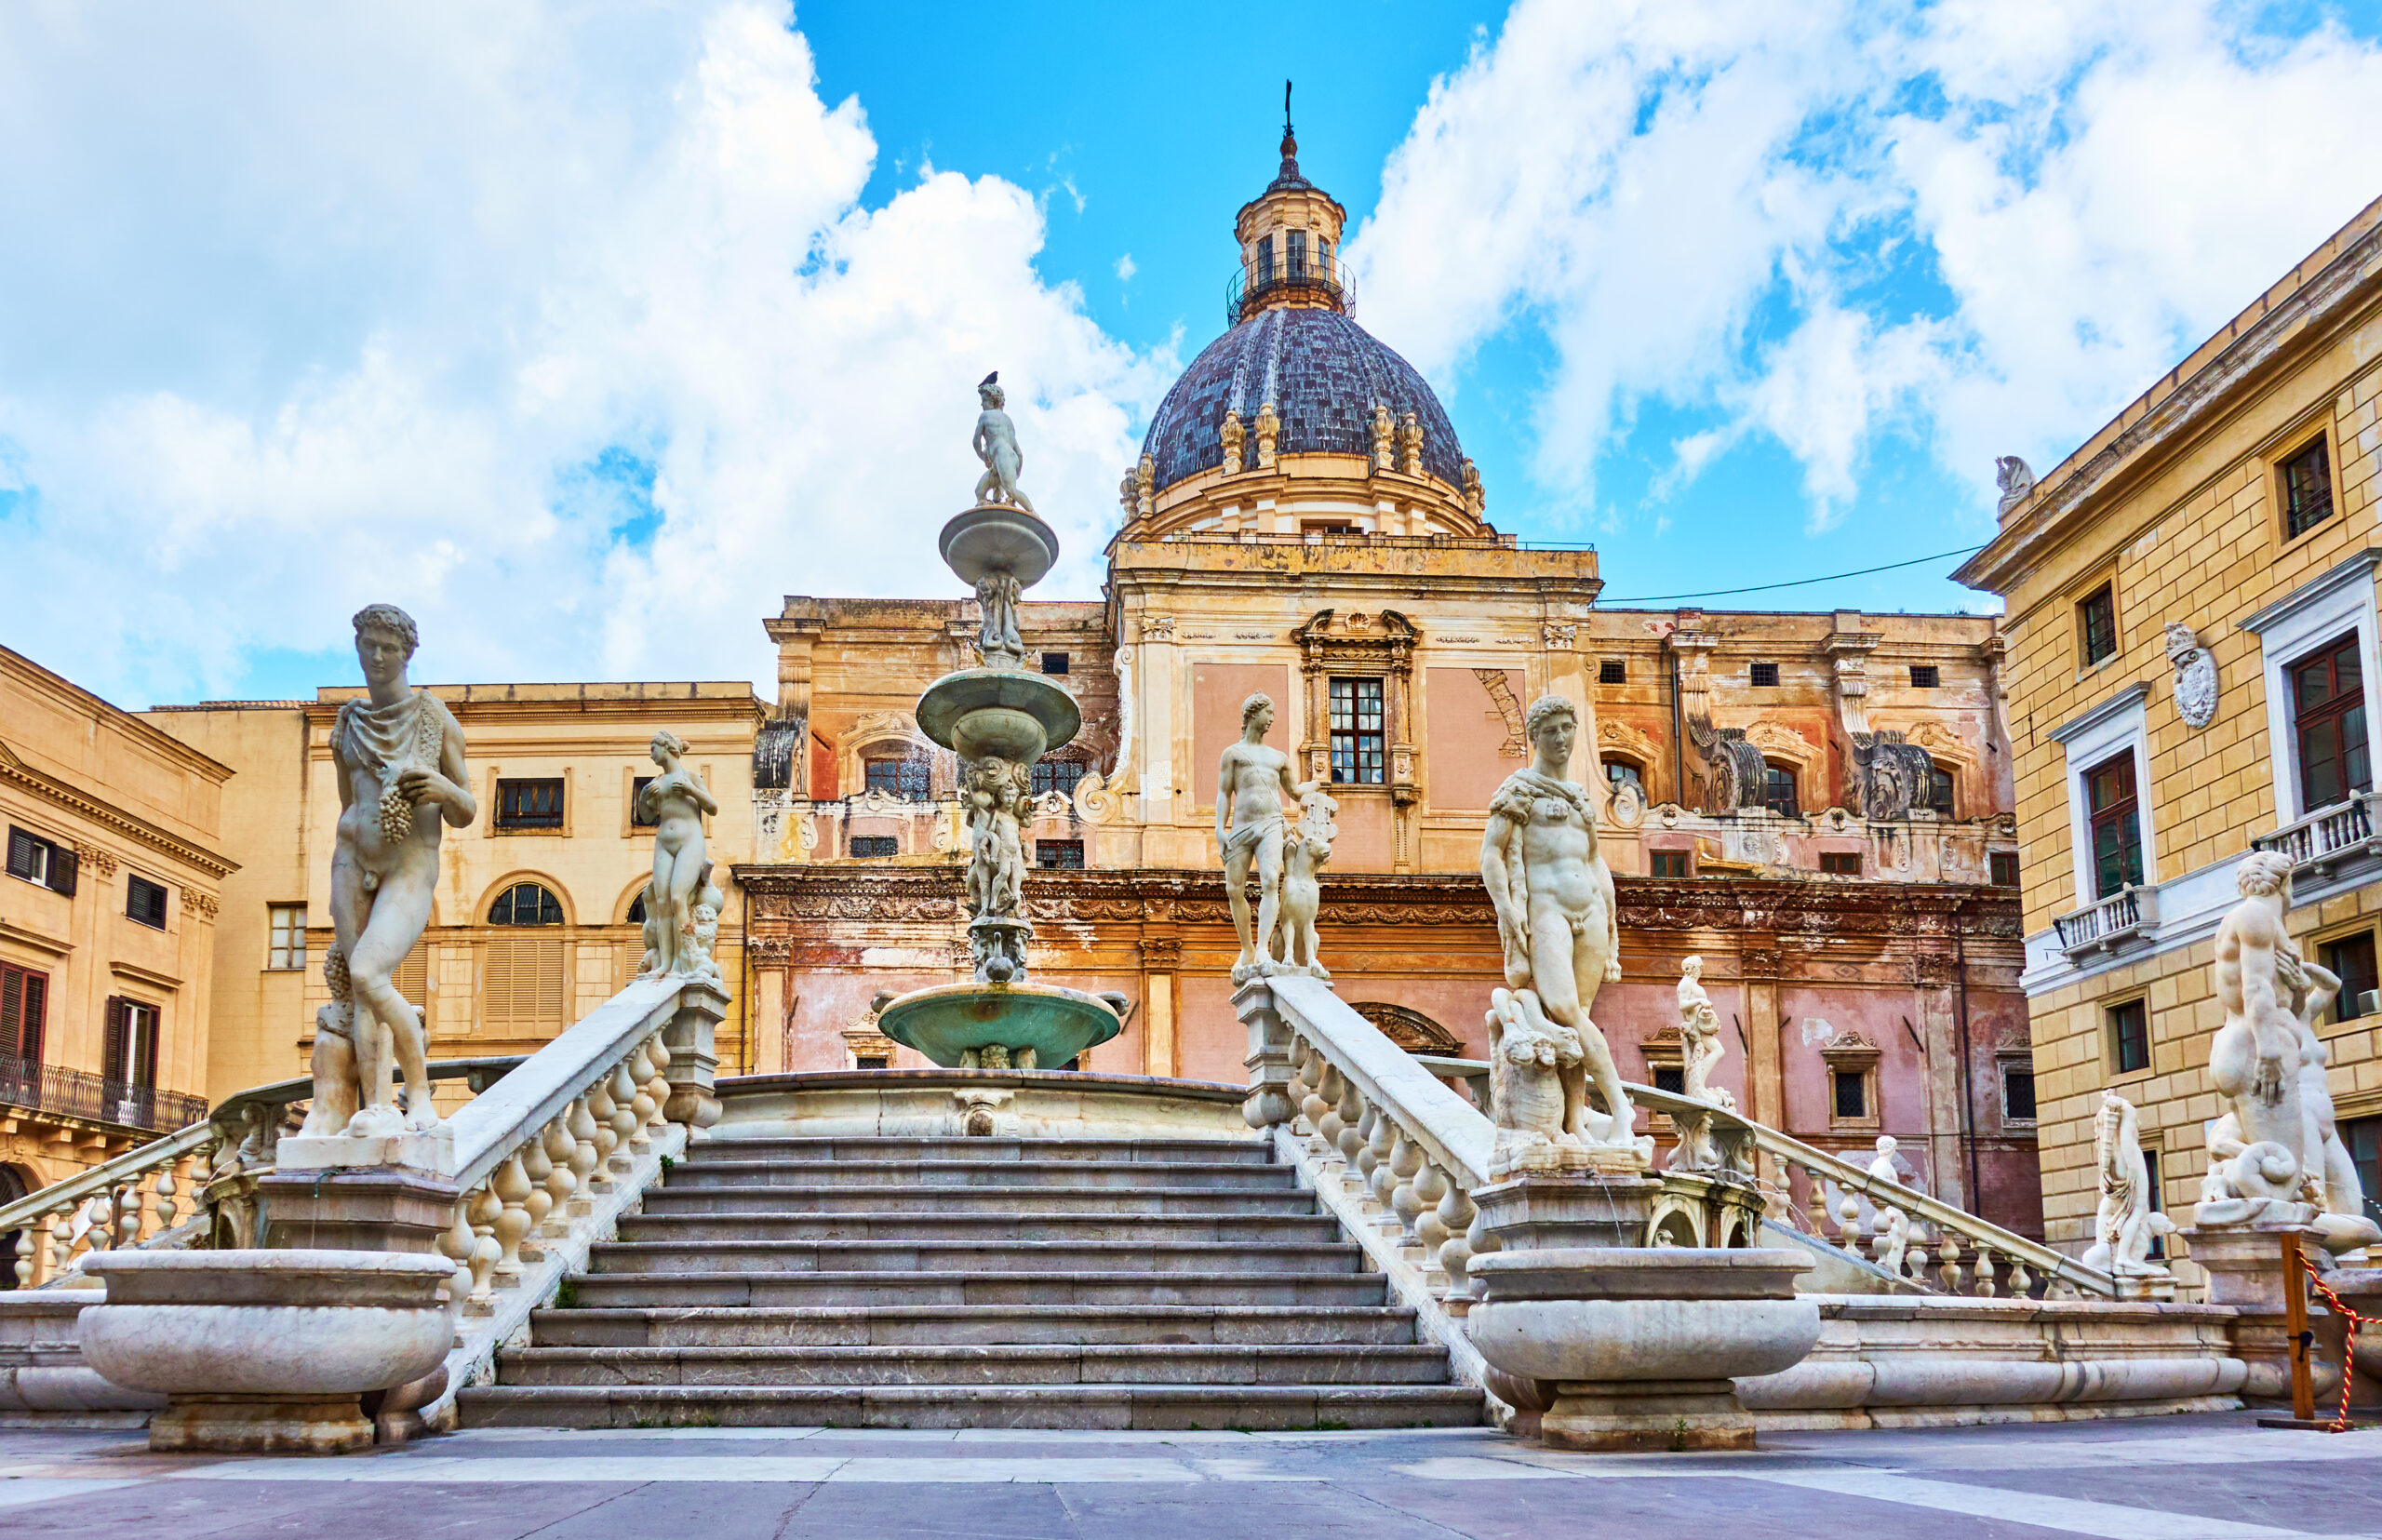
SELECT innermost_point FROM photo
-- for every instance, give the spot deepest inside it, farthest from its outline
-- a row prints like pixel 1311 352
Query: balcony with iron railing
pixel 28 1083
pixel 2328 840
pixel 1292 277
pixel 2129 915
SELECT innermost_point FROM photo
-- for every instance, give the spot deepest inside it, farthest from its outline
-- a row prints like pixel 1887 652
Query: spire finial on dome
pixel 1290 139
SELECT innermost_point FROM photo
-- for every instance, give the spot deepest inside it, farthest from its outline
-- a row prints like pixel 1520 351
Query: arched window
pixel 1619 772
pixel 526 904
pixel 1057 776
pixel 1939 791
pixel 1778 790
pixel 636 910
pixel 903 775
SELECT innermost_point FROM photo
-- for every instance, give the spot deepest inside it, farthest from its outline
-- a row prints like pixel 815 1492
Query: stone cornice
pixel 80 702
pixel 16 773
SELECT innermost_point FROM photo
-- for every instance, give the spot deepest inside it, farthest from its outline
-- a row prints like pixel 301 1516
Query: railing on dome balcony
pixel 1293 275
pixel 1360 537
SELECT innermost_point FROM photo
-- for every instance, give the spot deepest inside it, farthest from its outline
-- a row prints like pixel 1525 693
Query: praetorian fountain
pixel 999 719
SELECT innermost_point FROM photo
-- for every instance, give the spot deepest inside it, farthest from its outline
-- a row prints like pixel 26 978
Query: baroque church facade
pixel 1817 805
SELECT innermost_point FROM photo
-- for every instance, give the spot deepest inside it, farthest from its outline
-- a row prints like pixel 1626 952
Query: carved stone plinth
pixel 386 1208
pixel 691 1039
pixel 431 1151
pixel 2245 1264
pixel 1534 1212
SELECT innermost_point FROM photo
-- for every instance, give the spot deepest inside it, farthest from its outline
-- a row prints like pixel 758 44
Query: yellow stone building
pixel 2192 674
pixel 116 871
pixel 536 921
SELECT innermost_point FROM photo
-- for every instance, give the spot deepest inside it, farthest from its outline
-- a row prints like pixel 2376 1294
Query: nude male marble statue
pixel 995 445
pixel 1251 780
pixel 398 754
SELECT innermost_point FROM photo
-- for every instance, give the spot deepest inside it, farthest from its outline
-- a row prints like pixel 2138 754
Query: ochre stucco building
pixel 1817 804
pixel 2236 498
pixel 108 916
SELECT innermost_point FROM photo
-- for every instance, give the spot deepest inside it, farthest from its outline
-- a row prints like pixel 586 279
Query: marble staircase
pixel 981 1282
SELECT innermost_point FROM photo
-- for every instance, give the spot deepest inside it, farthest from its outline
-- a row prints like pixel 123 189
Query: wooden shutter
pixel 148 1045
pixel 521 984
pixel 412 976
pixel 12 1012
pixel 33 1017
pixel 62 870
pixel 111 1065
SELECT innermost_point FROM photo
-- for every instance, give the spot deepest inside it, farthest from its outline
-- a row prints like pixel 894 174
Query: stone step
pixel 720 1290
pixel 976 1364
pixel 1001 1197
pixel 957 1325
pixel 1267 1408
pixel 711 1230
pixel 1074 1176
pixel 1101 1152
pixel 1258 1257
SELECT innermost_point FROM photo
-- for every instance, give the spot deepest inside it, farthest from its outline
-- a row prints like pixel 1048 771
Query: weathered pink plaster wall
pixel 1464 754
pixel 1217 690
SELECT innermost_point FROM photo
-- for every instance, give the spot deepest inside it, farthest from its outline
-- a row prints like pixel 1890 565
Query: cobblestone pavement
pixel 2206 1478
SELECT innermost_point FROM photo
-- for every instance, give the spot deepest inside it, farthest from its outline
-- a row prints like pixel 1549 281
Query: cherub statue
pixel 996 880
pixel 995 445
pixel 1308 847
pixel 675 801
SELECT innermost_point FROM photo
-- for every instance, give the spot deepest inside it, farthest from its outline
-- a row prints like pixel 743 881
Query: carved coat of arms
pixel 2195 675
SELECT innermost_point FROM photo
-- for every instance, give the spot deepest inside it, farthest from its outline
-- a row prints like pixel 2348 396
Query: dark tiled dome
pixel 1322 371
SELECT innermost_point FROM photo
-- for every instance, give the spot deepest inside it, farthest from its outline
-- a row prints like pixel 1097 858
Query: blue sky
pixel 585 331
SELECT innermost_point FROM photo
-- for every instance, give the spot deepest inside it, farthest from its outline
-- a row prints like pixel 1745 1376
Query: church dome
pixel 1324 374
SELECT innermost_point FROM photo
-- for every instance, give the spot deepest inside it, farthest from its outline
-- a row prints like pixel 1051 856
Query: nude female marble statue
pixel 398 754
pixel 675 802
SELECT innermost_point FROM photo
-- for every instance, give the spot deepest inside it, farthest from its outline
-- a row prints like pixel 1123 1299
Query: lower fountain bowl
pixel 953 1022
pixel 1016 716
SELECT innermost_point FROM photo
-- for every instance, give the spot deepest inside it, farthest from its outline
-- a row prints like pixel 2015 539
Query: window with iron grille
pixel 24 1009
pixel 2129 1036
pixel 1671 1077
pixel 908 777
pixel 526 904
pixel 2096 624
pixel 41 861
pixel 2116 833
pixel 1852 1087
pixel 1612 671
pixel 2328 719
pixel 1840 863
pixel 1357 735
pixel 1939 791
pixel 873 847
pixel 530 804
pixel 145 902
pixel 2351 959
pixel 1778 791
pixel 2017 1091
pixel 1668 863
pixel 1763 676
pixel 1057 776
pixel 286 936
pixel 868 1061
pixel 2004 868
pixel 1054 662
pixel 1923 677
pixel 2152 1188
pixel 2306 489
pixel 1058 855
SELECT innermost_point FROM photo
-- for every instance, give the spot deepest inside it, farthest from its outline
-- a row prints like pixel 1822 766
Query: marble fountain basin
pixel 993 537
pixel 1007 713
pixel 952 1023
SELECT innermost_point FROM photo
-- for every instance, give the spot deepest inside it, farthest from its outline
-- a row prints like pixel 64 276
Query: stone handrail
pixel 137 1196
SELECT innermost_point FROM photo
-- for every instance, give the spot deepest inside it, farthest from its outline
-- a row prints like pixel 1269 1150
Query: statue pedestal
pixel 381 1208
pixel 2245 1264
pixel 1535 1212
pixel 430 1151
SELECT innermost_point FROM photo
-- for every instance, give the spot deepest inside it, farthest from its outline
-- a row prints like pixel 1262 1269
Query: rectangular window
pixel 2096 624
pixel 1763 676
pixel 1265 259
pixel 530 804
pixel 2363 1137
pixel 1358 755
pixel 1668 863
pixel 874 847
pixel 908 778
pixel 2306 489
pixel 1923 677
pixel 1851 1093
pixel 2350 958
pixel 1671 1077
pixel 2328 720
pixel 2153 1181
pixel 1058 855
pixel 1939 791
pixel 639 818
pixel 1296 241
pixel 1315 527
pixel 1778 791
pixel 1054 662
pixel 286 936
pixel 1057 776
pixel 41 861
pixel 131 1049
pixel 2129 1036
pixel 2116 833
pixel 1840 863
pixel 2017 1092
pixel 145 902
pixel 868 1061
pixel 24 1009
pixel 2004 865
pixel 1612 671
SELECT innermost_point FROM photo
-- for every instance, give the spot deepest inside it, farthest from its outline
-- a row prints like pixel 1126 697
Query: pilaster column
pixel 1162 957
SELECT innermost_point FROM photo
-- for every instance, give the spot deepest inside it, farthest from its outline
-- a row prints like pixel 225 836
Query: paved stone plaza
pixel 2203 1477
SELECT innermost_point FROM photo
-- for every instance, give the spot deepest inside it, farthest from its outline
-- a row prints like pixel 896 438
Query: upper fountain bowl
pixel 996 537
pixel 1009 713
pixel 1040 1025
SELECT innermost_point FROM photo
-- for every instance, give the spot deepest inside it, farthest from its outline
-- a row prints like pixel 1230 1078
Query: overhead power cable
pixel 1799 583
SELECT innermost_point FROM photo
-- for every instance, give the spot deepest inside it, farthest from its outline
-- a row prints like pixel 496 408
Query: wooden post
pixel 2294 1326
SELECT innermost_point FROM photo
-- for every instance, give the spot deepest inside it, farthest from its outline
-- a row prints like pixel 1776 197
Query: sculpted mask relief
pixel 1560 927
pixel 398 754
